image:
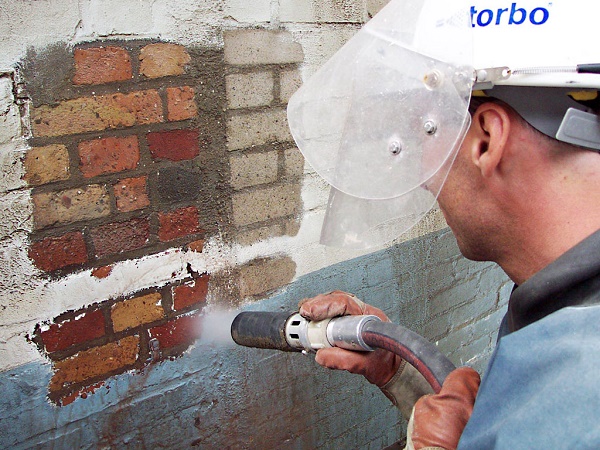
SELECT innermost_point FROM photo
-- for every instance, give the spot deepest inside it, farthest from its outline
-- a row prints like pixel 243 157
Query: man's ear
pixel 490 130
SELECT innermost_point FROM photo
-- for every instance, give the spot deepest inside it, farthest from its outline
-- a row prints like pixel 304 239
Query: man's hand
pixel 439 420
pixel 378 366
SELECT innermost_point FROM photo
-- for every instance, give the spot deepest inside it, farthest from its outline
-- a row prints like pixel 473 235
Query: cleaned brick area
pixel 115 160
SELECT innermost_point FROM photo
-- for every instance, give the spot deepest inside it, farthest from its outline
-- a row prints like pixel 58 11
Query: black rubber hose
pixel 413 348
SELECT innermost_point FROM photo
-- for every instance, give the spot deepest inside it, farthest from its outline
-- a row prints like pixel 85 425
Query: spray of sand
pixel 215 326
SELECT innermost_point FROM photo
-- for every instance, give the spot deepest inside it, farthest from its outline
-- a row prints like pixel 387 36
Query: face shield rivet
pixel 433 79
pixel 395 147
pixel 430 127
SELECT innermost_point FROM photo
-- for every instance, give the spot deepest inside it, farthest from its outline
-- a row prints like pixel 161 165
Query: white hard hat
pixel 383 119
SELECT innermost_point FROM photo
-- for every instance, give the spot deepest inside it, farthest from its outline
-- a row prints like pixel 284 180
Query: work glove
pixel 438 421
pixel 378 366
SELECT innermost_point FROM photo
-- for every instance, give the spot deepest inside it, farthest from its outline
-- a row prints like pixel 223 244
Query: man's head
pixel 516 196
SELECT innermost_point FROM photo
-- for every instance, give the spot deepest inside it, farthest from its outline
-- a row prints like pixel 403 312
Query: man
pixel 529 201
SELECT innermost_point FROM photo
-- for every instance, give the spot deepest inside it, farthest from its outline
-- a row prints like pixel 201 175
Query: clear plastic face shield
pixel 383 119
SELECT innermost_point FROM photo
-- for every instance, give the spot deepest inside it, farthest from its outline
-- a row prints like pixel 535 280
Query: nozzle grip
pixel 261 330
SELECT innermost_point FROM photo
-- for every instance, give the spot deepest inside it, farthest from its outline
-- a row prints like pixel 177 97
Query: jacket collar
pixel 571 280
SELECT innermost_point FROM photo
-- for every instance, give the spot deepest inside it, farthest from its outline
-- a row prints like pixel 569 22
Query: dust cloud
pixel 215 327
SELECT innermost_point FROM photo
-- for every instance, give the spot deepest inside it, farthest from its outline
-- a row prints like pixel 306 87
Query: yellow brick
pixel 46 164
pixel 161 60
pixel 136 311
pixel 95 362
pixel 98 113
pixel 71 205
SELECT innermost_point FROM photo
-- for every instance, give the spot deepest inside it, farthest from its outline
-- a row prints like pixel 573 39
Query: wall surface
pixel 149 182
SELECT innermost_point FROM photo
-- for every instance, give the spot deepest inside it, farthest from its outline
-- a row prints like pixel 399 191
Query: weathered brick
pixel 249 237
pixel 265 204
pixel 180 103
pixel 108 155
pixel 249 90
pixel 103 112
pixel 119 237
pixel 57 252
pixel 178 223
pixel 101 65
pixel 255 46
pixel 374 6
pixel 257 128
pixel 179 331
pixel 46 164
pixel 191 293
pixel 253 169
pixel 131 194
pixel 136 311
pixel 290 82
pixel 263 275
pixel 249 12
pixel 175 145
pixel 162 60
pixel 71 205
pixel 85 327
pixel 322 11
pixel 294 162
pixel 107 359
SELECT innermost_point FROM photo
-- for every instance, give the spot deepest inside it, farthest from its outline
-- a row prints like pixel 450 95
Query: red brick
pixel 178 223
pixel 176 145
pixel 190 294
pixel 114 357
pixel 97 113
pixel 179 331
pixel 118 237
pixel 101 65
pixel 108 155
pixel 131 194
pixel 57 252
pixel 180 103
pixel 86 327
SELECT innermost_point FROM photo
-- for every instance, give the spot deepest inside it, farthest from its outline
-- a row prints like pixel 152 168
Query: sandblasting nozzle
pixel 282 331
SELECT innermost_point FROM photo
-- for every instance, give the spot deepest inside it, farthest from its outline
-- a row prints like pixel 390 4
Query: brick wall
pixel 266 167
pixel 148 147
pixel 114 164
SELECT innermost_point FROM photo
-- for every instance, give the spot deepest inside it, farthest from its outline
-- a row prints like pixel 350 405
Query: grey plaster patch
pixel 48 72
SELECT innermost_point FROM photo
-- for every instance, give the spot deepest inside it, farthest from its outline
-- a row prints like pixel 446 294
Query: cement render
pixel 233 397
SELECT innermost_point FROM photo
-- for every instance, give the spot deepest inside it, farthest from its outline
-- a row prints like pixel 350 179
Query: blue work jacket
pixel 542 386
